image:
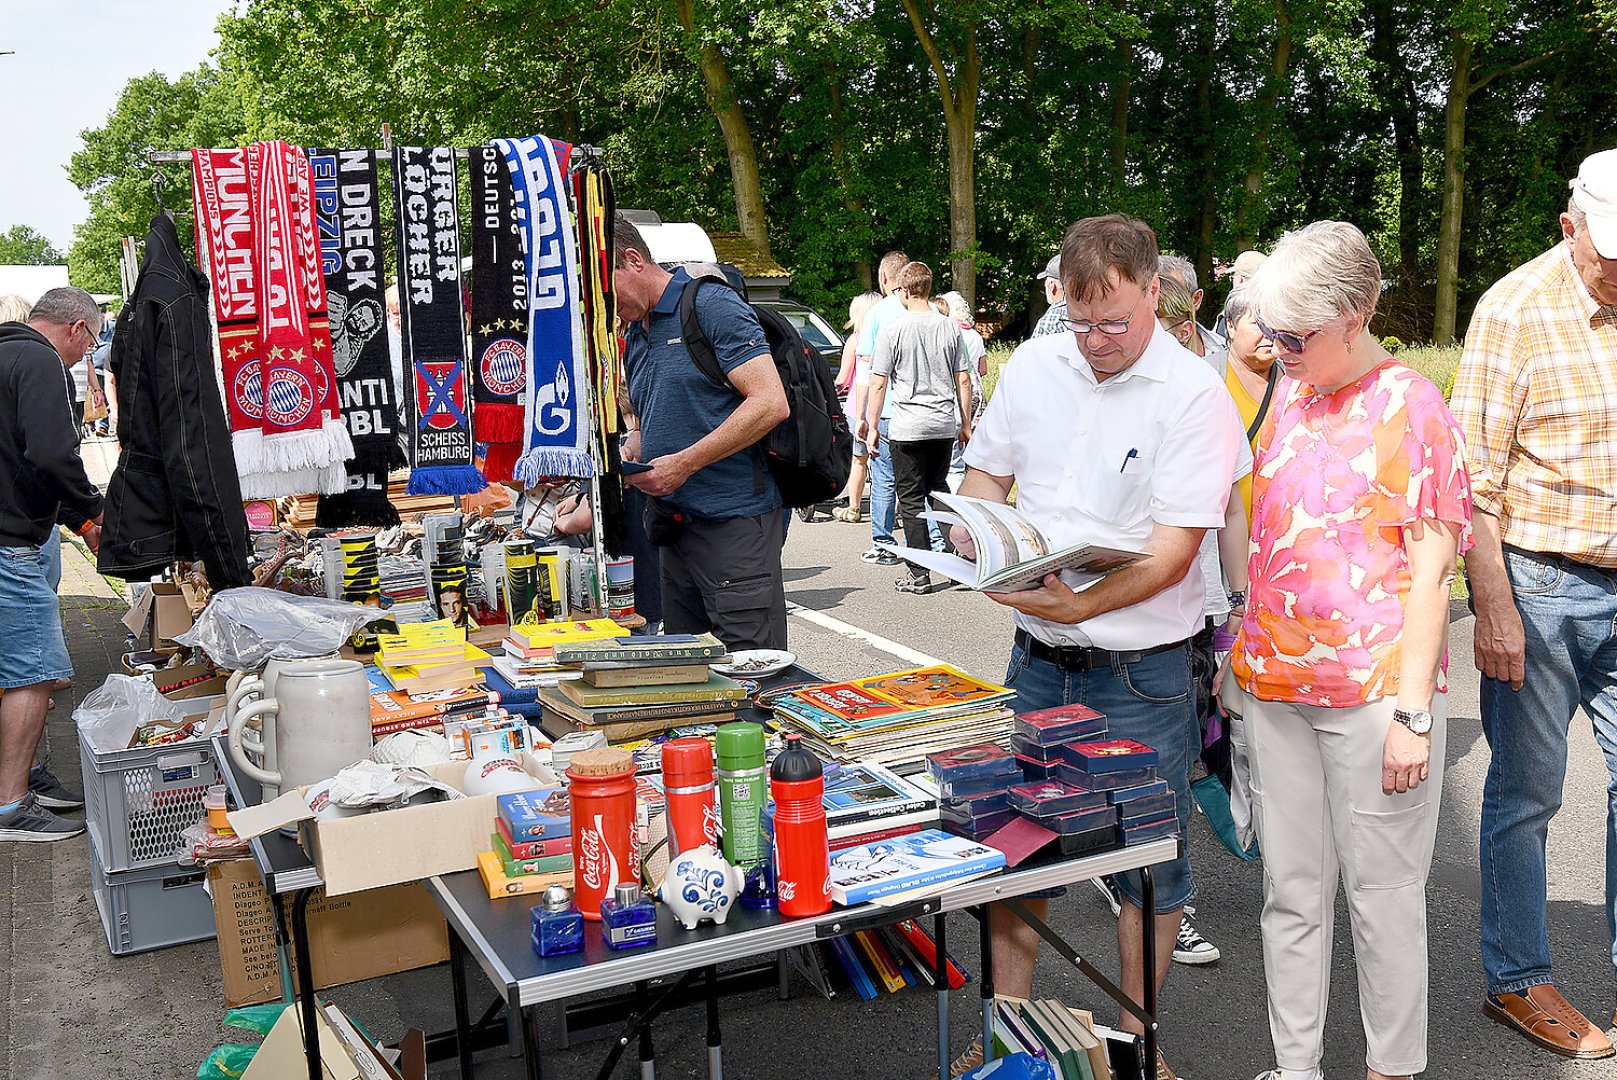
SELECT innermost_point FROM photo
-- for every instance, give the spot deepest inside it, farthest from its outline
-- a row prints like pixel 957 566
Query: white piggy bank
pixel 700 885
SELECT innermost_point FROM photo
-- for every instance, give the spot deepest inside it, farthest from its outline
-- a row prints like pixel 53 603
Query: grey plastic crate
pixel 137 802
pixel 152 908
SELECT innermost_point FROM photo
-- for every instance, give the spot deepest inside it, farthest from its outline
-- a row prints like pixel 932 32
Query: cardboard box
pixel 189 682
pixel 387 847
pixel 160 615
pixel 362 936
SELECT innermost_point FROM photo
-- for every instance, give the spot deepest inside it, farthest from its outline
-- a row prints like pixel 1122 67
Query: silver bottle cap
pixel 557 898
pixel 625 893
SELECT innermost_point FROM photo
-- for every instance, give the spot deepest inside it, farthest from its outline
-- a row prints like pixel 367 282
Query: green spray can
pixel 743 787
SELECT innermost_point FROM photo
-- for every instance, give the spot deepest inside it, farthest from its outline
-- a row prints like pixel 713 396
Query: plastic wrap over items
pixel 242 628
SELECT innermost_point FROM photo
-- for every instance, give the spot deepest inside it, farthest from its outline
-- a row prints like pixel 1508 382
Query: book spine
pixel 576 655
pixel 928 950
pixel 910 965
pixel 862 984
pixel 894 951
pixel 549 864
pixel 878 961
pixel 533 849
pixel 695 695
pixel 855 814
pixel 843 843
pixel 414 723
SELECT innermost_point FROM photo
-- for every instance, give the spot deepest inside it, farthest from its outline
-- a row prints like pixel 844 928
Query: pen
pixel 1134 453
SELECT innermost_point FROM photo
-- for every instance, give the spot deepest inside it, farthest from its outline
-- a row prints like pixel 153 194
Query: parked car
pixel 817 333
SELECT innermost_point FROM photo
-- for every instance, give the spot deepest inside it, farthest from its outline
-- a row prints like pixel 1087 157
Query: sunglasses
pixel 1288 341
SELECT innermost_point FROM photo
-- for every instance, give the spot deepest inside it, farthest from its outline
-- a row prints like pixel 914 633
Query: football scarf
pixel 348 214
pixel 556 435
pixel 592 195
pixel 499 314
pixel 256 239
pixel 426 216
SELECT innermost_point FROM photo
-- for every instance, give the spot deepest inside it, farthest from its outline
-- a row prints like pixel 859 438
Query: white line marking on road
pixel 857 633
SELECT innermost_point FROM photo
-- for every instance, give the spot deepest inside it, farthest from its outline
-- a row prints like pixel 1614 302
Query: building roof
pixel 744 255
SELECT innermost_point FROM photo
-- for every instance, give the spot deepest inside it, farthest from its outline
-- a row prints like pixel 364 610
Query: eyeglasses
pixel 90 336
pixel 1174 327
pixel 1290 342
pixel 1112 327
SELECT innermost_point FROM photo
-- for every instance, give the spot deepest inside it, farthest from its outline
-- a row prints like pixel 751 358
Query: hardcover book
pixel 533 849
pixel 545 814
pixel 499 883
pixel 651 647
pixel 929 857
pixel 716 688
pixel 645 674
pixel 1012 552
pixel 516 866
pixel 864 792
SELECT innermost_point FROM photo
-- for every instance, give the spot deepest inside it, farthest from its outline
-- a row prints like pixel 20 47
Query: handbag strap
pixel 1263 407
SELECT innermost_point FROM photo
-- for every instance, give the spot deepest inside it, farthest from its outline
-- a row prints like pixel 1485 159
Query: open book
pixel 1012 553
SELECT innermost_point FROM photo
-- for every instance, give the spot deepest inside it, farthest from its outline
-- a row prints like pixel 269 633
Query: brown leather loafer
pixel 1543 1017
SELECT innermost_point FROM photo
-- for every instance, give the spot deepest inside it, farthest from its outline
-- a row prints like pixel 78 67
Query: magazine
pixel 1012 553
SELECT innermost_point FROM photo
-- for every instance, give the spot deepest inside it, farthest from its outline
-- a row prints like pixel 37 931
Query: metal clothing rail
pixel 180 157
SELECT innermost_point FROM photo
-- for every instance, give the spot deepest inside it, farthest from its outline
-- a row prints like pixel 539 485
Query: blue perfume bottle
pixel 558 927
pixel 628 920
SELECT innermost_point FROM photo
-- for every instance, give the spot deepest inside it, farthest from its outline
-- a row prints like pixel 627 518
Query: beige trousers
pixel 1320 812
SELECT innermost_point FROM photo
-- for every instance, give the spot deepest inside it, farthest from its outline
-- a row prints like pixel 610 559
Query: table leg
pixel 940 971
pixel 648 1053
pixel 463 1020
pixel 985 939
pixel 530 1043
pixel 715 1047
pixel 305 964
pixel 1148 946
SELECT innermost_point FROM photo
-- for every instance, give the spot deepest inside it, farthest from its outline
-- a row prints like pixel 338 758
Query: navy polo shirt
pixel 678 405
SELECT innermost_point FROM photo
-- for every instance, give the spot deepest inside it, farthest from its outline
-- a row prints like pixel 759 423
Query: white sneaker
pixel 1274 1074
pixel 1191 947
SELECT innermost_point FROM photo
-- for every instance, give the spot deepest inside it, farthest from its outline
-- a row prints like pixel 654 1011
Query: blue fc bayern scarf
pixel 556 440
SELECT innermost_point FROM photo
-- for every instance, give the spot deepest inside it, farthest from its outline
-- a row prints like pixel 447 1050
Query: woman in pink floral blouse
pixel 1360 507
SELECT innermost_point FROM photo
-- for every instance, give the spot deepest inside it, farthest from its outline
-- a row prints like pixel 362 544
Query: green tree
pixel 21 245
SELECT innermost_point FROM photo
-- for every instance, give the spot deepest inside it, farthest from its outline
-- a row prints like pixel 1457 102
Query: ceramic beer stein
pixel 322 724
pixel 258 738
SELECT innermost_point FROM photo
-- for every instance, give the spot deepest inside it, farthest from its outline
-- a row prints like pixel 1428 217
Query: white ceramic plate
pixel 756 663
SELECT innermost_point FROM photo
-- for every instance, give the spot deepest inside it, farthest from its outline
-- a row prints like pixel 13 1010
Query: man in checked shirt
pixel 1535 393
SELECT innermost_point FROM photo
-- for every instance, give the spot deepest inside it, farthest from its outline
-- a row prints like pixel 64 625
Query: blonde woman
pixel 854 377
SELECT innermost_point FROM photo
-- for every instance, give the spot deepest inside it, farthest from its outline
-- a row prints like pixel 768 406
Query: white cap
pixel 1052 269
pixel 1595 190
pixel 1247 263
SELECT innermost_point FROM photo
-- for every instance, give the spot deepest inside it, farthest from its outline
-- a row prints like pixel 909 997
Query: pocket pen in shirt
pixel 1128 457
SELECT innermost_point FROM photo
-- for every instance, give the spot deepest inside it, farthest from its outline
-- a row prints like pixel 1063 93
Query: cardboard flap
pixel 135 617
pixel 252 821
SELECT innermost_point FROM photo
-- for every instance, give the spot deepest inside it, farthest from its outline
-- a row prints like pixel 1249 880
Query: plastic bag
pixel 242 628
pixel 110 714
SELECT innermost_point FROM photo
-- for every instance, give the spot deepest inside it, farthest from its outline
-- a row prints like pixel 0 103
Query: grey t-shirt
pixel 919 352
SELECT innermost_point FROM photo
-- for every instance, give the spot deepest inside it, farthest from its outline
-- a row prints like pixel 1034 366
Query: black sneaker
pixel 1191 947
pixel 880 554
pixel 1108 888
pixel 51 792
pixel 33 823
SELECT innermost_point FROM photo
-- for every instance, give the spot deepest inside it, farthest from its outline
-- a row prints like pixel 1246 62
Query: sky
pixel 72 59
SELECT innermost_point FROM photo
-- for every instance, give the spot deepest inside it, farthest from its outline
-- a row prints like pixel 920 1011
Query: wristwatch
pixel 1419 721
pixel 1237 599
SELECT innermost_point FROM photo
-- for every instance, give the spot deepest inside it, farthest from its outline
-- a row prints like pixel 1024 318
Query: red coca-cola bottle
pixel 693 809
pixel 802 849
pixel 601 789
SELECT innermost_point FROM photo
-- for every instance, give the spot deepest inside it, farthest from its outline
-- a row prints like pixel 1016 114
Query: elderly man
pixel 1111 434
pixel 1184 326
pixel 1533 395
pixel 42 482
pixel 1054 319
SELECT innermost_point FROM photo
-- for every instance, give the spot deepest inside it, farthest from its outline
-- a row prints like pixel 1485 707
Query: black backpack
pixel 811 451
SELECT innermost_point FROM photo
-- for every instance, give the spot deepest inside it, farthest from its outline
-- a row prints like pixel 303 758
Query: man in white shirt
pixel 883 492
pixel 1111 434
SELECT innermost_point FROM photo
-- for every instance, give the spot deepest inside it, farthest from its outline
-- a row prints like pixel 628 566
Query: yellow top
pixel 1247 406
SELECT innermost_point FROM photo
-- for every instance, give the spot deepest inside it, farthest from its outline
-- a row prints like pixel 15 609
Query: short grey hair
pixel 958 308
pixel 1575 212
pixel 66 306
pixel 1179 267
pixel 1316 275
pixel 1238 305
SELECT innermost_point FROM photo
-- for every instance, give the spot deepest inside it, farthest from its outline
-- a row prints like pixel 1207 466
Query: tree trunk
pixel 1402 113
pixel 1448 235
pixel 1122 88
pixel 1247 224
pixel 1207 150
pixel 738 144
pixel 839 161
pixel 959 94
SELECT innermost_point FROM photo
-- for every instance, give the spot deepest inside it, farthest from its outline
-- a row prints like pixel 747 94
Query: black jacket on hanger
pixel 175 493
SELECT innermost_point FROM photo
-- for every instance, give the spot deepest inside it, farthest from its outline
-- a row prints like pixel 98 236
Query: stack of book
pixel 1068 1040
pixel 889 958
pixel 631 688
pixel 866 803
pixel 528 659
pixel 394 710
pixel 531 847
pixel 423 657
pixel 898 718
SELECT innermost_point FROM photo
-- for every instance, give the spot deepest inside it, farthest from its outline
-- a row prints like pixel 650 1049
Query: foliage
pixel 21 245
pixel 1220 123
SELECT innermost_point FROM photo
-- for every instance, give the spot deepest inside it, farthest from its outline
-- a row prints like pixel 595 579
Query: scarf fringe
pixel 446 480
pixel 544 461
pixel 248 447
pixel 499 422
pixel 349 509
pixel 302 450
pixel 277 485
pixel 501 461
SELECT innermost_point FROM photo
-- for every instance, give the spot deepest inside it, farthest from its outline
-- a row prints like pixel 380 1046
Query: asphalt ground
pixel 71 1009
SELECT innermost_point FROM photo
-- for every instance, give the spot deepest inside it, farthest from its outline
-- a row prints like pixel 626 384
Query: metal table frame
pixel 526 981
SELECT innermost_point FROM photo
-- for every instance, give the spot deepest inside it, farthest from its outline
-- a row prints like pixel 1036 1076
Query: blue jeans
pixel 883 494
pixel 1151 701
pixel 1568 611
pixel 32 649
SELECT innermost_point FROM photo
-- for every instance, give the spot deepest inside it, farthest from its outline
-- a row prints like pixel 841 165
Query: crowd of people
pixel 1305 499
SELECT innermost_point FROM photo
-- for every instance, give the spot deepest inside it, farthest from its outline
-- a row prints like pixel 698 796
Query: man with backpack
pixel 715 510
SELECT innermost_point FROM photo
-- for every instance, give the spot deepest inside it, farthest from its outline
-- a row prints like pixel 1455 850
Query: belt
pixel 1079 658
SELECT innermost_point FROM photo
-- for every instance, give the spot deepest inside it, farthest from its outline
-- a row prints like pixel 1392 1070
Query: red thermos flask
pixel 802 848
pixel 601 790
pixel 693 808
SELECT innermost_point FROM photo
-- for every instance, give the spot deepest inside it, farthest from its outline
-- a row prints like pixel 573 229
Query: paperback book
pixel 903 863
pixel 1012 552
